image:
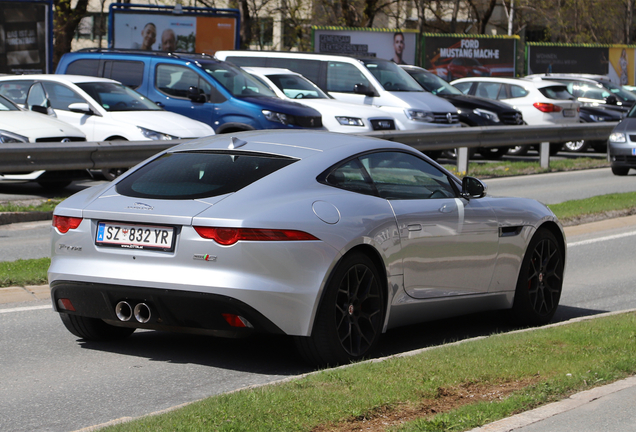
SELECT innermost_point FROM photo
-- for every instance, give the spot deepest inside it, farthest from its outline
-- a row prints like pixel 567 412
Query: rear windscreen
pixel 192 175
pixel 556 92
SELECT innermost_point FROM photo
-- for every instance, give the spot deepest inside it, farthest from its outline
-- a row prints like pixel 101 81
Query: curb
pixel 24 294
pixel 17 217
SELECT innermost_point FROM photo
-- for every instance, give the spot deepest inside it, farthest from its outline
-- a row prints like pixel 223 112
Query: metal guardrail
pixel 114 154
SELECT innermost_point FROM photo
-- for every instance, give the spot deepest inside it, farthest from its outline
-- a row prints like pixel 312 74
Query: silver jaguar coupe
pixel 329 238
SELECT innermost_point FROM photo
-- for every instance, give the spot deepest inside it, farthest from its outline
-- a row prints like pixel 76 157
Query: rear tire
pixel 94 329
pixel 493 153
pixel 579 146
pixel 349 320
pixel 521 150
pixel 540 281
pixel 620 171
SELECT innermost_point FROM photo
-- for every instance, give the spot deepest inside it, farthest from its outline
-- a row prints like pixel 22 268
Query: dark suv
pixel 197 86
pixel 473 110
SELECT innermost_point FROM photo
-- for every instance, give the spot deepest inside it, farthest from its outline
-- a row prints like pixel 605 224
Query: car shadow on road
pixel 276 355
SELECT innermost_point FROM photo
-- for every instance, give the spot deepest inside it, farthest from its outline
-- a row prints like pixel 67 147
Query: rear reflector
pixel 65 223
pixel 237 321
pixel 65 304
pixel 229 236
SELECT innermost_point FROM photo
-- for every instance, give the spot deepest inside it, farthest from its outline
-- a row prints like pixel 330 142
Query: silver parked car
pixel 621 145
pixel 330 238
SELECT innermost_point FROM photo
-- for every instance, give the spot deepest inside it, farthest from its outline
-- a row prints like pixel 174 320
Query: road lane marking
pixel 600 239
pixel 24 309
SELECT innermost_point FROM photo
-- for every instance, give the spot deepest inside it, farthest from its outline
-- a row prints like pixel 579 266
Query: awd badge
pixel 204 257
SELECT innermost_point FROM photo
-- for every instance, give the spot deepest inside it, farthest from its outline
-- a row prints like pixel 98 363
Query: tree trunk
pixel 246 24
pixel 65 22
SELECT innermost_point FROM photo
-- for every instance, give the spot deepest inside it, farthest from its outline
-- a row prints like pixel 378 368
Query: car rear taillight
pixel 547 107
pixel 237 321
pixel 65 223
pixel 229 236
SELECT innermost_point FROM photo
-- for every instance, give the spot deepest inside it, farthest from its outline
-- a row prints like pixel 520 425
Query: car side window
pixel 176 80
pixel 400 176
pixel 463 87
pixel 61 96
pixel 342 77
pixel 129 73
pixel 351 176
pixel 488 90
pixel 84 67
pixel 310 69
pixel 16 90
pixel 517 91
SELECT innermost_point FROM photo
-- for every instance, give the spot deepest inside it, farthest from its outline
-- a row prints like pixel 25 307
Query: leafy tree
pixel 65 21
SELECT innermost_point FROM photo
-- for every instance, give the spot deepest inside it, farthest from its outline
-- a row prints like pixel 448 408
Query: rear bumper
pixel 170 310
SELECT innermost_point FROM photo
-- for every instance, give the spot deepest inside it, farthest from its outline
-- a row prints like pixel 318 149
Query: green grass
pixel 551 364
pixel 513 168
pixel 48 205
pixel 598 204
pixel 24 272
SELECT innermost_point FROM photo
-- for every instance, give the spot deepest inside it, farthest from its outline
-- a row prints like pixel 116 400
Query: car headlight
pixel 618 137
pixel 9 137
pixel 350 121
pixel 597 118
pixel 275 116
pixel 489 115
pixel 419 115
pixel 154 135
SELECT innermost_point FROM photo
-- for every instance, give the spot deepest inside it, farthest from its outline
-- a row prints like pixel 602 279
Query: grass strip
pixel 24 272
pixel 594 205
pixel 551 363
pixel 492 169
pixel 44 206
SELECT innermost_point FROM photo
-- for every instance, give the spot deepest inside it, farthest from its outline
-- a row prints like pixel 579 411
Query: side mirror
pixel 364 90
pixel 611 100
pixel 81 108
pixel 39 109
pixel 195 95
pixel 473 188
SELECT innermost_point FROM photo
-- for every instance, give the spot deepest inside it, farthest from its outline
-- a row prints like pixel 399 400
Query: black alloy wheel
pixel 540 281
pixel 349 321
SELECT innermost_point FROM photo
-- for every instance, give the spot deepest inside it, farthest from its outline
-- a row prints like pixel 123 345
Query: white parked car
pixel 540 102
pixel 104 109
pixel 20 126
pixel 337 116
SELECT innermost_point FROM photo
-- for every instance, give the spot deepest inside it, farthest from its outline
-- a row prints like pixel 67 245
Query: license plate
pixel 133 236
pixel 569 112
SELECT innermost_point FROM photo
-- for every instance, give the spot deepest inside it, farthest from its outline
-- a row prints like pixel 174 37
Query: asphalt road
pixel 49 381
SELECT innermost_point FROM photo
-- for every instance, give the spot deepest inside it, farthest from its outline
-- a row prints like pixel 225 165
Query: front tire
pixel 94 329
pixel 493 153
pixel 540 281
pixel 350 318
pixel 620 171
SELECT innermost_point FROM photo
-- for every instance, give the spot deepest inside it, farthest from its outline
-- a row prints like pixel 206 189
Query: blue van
pixel 195 85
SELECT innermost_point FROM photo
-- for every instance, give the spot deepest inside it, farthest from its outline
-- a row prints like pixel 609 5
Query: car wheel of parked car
pixel 54 185
pixel 493 152
pixel 521 150
pixel 540 281
pixel 579 146
pixel 94 329
pixel 620 171
pixel 350 318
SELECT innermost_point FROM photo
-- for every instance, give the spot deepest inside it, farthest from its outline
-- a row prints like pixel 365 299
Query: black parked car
pixel 473 110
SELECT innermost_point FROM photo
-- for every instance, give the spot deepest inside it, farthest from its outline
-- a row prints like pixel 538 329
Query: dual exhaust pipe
pixel 125 312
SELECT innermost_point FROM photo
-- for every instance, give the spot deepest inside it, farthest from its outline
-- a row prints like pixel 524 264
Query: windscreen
pixel 7 105
pixel 556 92
pixel 236 80
pixel 297 87
pixel 192 175
pixel 391 76
pixel 116 97
pixel 432 83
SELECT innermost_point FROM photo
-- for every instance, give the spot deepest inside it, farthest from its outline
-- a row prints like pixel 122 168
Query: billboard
pixel 157 28
pixel 463 55
pixel 614 61
pixel 26 35
pixel 397 45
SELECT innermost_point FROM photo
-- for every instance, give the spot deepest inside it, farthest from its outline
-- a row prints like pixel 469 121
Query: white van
pixel 367 81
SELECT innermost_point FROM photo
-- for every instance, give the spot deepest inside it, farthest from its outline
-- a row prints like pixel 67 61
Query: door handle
pixel 446 208
pixel 159 104
pixel 415 227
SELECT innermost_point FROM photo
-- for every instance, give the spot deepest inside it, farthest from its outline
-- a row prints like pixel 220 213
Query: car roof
pixel 299 144
pixel 74 79
pixel 537 83
pixel 141 53
pixel 269 71
pixel 294 54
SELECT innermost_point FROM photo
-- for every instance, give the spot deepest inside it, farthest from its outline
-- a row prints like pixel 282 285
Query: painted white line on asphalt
pixel 24 309
pixel 600 239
